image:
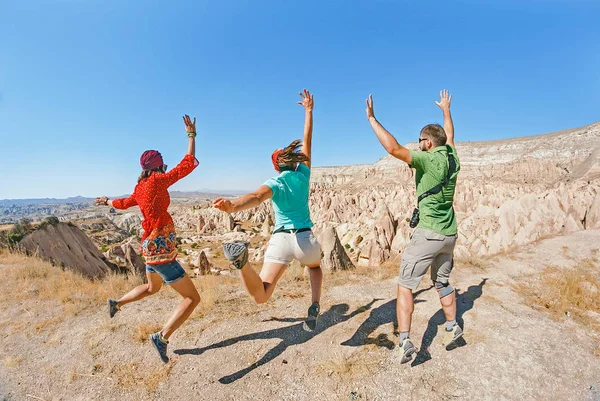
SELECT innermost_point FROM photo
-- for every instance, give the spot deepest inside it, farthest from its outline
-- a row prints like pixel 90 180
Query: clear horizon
pixel 86 88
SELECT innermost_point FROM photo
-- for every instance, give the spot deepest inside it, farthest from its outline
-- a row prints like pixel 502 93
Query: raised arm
pixel 387 140
pixel 189 162
pixel 247 201
pixel 308 103
pixel 444 104
pixel 190 128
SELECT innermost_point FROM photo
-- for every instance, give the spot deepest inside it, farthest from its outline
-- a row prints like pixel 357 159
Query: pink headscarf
pixel 151 159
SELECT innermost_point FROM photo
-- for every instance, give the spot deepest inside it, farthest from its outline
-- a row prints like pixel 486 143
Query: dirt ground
pixel 58 344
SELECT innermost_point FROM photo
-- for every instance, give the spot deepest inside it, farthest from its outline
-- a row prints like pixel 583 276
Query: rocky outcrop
pixel 200 225
pixel 334 256
pixel 126 257
pixel 129 222
pixel 203 264
pixel 66 246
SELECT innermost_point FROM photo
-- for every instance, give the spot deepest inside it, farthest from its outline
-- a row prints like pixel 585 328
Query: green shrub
pixel 48 221
pixel 14 238
pixel 18 232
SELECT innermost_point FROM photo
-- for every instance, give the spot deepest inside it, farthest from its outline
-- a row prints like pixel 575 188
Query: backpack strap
pixel 438 187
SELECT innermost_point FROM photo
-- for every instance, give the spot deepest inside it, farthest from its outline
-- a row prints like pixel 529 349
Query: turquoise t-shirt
pixel 290 198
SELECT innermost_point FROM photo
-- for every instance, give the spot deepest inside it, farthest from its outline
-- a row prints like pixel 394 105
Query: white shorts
pixel 302 246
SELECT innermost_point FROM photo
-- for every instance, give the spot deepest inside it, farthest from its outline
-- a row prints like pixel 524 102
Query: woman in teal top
pixel 292 237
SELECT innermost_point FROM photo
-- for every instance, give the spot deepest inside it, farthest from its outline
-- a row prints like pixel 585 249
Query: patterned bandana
pixel 274 159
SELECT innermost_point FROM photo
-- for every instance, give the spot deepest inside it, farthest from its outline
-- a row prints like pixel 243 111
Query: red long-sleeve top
pixel 159 244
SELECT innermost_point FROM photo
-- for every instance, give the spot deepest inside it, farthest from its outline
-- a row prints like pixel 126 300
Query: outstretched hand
pixel 224 205
pixel 307 100
pixel 190 127
pixel 101 201
pixel 445 99
pixel 370 111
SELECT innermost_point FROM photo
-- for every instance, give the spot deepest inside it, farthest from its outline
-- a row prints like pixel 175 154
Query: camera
pixel 414 220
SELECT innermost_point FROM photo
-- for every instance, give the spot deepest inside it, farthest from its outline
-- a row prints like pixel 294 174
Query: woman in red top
pixel 159 245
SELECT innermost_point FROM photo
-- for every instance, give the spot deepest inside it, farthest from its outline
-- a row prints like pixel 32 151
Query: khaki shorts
pixel 426 248
pixel 285 247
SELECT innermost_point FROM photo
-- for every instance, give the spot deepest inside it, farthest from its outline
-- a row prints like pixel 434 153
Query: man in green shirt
pixel 432 242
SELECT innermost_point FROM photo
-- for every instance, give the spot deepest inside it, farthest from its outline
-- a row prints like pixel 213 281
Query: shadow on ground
pixel 464 303
pixel 289 335
pixel 379 316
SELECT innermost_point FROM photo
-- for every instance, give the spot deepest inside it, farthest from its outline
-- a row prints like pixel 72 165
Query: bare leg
pixel 449 306
pixel 261 287
pixel 316 282
pixel 142 291
pixel 404 308
pixel 186 288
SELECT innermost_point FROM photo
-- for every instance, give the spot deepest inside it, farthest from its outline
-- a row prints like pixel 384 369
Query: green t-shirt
pixel 435 211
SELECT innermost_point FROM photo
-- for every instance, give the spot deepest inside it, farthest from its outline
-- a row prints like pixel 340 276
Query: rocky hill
pixel 67 246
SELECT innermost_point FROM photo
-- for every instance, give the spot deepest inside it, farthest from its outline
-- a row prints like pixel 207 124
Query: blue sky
pixel 87 85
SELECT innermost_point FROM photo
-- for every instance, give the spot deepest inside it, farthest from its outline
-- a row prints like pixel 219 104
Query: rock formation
pixel 203 264
pixel 334 256
pixel 67 246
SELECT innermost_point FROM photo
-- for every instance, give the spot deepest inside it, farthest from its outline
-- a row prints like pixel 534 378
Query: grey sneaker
pixel 113 308
pixel 450 336
pixel 311 320
pixel 160 346
pixel 237 253
pixel 408 350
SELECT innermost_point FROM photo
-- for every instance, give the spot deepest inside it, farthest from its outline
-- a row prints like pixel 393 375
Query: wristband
pixel 191 134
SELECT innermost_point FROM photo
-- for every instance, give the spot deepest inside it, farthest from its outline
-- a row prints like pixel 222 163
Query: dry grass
pixel 144 330
pixel 126 374
pixel 472 261
pixel 48 324
pixel 559 290
pixel 96 372
pixel 386 271
pixel 11 362
pixel 30 277
pixel 211 289
pixel 17 326
pixel 156 376
pixel 132 375
pixel 349 366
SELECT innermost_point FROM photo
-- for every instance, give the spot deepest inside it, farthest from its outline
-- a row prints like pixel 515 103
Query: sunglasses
pixel 422 139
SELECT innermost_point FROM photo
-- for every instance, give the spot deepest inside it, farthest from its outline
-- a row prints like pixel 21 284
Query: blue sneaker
pixel 160 346
pixel 113 307
pixel 311 320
